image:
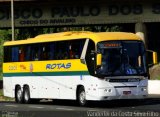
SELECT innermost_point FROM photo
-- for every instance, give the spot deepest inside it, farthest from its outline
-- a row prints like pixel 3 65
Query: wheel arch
pixel 25 85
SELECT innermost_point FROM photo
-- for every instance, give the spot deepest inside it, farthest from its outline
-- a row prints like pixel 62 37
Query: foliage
pixel 154 72
pixel 5 35
pixel 3 98
pixel 1 60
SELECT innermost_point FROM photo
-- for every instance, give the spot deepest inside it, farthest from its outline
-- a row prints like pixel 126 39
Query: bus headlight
pixel 108 90
pixel 143 89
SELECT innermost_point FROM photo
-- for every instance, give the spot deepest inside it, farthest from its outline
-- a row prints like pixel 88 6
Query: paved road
pixel 124 108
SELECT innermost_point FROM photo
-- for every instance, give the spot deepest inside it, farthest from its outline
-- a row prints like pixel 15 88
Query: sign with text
pixel 50 15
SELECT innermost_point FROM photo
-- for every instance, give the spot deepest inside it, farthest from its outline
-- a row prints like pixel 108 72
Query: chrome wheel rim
pixel 19 94
pixel 26 97
pixel 82 97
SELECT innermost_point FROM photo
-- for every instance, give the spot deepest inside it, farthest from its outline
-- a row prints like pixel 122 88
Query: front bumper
pixel 111 93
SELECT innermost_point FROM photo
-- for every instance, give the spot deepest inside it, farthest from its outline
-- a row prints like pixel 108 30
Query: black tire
pixel 26 95
pixel 19 95
pixel 81 97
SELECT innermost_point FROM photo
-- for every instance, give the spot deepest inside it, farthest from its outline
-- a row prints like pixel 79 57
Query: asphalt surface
pixel 61 108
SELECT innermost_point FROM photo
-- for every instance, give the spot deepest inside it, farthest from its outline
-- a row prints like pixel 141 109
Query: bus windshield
pixel 122 58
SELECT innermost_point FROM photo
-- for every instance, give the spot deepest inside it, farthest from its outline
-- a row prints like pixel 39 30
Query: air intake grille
pixel 125 80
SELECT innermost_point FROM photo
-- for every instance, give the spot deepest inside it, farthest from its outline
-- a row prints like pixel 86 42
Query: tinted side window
pixel 7 54
pixel 15 54
pixel 75 48
pixel 27 53
pixel 59 50
pixel 11 54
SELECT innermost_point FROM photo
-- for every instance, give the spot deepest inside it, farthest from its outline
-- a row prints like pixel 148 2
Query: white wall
pixel 154 87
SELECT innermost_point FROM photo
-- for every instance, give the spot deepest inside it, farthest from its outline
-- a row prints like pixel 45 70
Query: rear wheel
pixel 19 95
pixel 81 97
pixel 26 95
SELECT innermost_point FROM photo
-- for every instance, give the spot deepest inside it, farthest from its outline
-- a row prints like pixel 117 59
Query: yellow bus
pixel 78 66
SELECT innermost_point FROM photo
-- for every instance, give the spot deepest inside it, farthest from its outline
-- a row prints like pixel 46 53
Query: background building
pixel 138 16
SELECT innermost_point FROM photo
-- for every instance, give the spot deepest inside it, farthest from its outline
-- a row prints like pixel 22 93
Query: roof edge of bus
pixel 86 34
pixel 76 34
pixel 68 33
pixel 6 42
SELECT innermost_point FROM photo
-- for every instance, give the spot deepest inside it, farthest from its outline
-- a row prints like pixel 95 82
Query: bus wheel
pixel 26 95
pixel 81 97
pixel 19 95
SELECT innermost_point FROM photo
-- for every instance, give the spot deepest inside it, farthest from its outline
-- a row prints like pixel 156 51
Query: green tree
pixel 5 35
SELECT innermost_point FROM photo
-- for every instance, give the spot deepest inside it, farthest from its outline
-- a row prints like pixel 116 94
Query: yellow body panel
pixel 44 66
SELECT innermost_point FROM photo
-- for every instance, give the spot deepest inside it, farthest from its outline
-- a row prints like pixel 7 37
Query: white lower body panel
pixel 65 87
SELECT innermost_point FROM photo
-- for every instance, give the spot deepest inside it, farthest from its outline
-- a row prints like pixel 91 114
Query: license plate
pixel 126 92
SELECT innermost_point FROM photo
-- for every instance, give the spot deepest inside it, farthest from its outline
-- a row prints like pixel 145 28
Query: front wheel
pixel 81 98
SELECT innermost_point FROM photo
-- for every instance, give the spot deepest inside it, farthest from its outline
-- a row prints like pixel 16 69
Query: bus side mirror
pixel 99 60
pixel 152 57
pixel 155 61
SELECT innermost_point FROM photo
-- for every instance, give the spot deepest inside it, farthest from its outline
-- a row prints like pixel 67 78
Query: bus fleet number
pixel 12 67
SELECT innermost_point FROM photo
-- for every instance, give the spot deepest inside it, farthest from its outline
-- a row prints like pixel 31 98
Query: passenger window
pixel 7 54
pixel 35 52
pixel 21 53
pixel 59 50
pixel 15 54
pixel 75 48
pixel 27 53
